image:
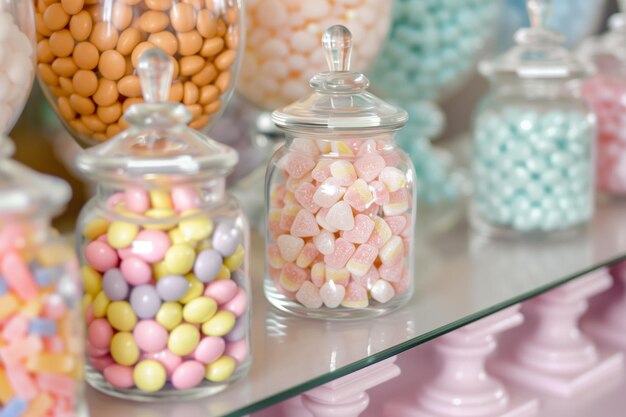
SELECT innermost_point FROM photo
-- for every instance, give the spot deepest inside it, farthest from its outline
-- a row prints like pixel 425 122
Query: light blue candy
pixel 533 170
pixel 46 276
pixel 42 327
pixel 14 408
pixel 3 286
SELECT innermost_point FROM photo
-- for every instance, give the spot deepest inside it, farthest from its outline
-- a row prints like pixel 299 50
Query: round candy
pixel 124 350
pixel 185 198
pixel 136 271
pixel 119 376
pixel 198 228
pixel 183 339
pixel 100 304
pixel 114 285
pixel 145 301
pixel 221 369
pixel 99 333
pixel 221 291
pixel 238 350
pixel 237 305
pixel 151 245
pixel 149 375
pixel 95 228
pixel 137 200
pixel 179 259
pixel 208 265
pixel 92 280
pixel 199 310
pixel 209 349
pixel 150 336
pixel 101 256
pixel 121 234
pixel 239 330
pixel 188 375
pixel 170 315
pixel 121 316
pixel 221 323
pixel 172 287
pixel 167 359
pixel 195 289
pixel 226 237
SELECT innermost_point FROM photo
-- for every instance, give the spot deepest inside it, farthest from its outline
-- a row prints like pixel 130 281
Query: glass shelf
pixel 460 278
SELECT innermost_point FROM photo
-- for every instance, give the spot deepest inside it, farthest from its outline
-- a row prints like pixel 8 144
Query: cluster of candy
pixel 282 46
pixel 166 302
pixel 87 55
pixel 432 43
pixel 16 70
pixel 533 169
pixel 607 96
pixel 341 223
pixel 41 359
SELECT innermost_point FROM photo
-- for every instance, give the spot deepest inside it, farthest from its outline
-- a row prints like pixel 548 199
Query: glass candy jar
pixel 17 59
pixel 164 251
pixel 340 199
pixel 606 92
pixel 88 53
pixel 534 138
pixel 41 366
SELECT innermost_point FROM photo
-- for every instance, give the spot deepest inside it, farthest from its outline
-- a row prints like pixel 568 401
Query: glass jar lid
pixel 605 48
pixel 340 101
pixel 24 191
pixel 539 53
pixel 158 147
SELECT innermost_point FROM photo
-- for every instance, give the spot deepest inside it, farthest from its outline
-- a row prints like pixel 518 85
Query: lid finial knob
pixel 337 41
pixel 155 73
pixel 538 12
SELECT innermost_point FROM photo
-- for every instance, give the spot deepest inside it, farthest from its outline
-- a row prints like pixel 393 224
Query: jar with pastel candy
pixel 606 92
pixel 534 139
pixel 88 52
pixel 340 199
pixel 164 252
pixel 41 337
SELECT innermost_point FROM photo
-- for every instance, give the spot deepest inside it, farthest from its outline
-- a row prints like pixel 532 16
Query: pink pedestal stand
pixel 550 353
pixel 607 324
pixel 461 387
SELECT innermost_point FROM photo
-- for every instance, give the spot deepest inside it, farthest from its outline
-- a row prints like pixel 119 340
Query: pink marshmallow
pixel 328 193
pixel 369 166
pixel 340 216
pixel 341 255
pixel 307 255
pixel 304 225
pixel 363 227
pixel 359 196
pixel 362 260
pixel 343 171
pixel 292 277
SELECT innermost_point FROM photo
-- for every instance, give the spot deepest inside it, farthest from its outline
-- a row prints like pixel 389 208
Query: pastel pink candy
pixel 277 195
pixel 114 200
pixel 54 344
pixel 309 295
pixel 325 242
pixel 398 203
pixel 340 216
pixel 396 224
pixel 237 305
pixel 125 252
pixel 95 352
pixel 290 199
pixel 332 294
pixel 382 291
pixel 298 164
pixel 381 233
pixel 274 258
pixel 10 235
pixel 136 271
pixel 379 192
pixel 368 279
pixel 363 227
pixel 60 385
pixel 329 192
pixel 20 349
pixel 273 222
pixel 166 358
pixel 119 376
pixel 21 382
pixel 358 195
pixel 368 166
pixel 318 274
pixel 320 217
pixel 304 196
pixel 16 328
pixel 289 247
pixel 403 284
pixel 150 336
pixel 186 198
pixel 292 184
pixel 305 146
pixel 343 252
pixel 408 229
pixel 393 178
pixel 322 170
pixel 292 277
pixel 209 349
pixel 222 291
pixel 54 307
pixel 368 147
pixel 18 276
pixel 99 333
pixel 238 350
pixel 343 171
pixel 340 276
pixel 100 363
pixel 307 255
pixel 392 252
pixel 188 375
pixel 391 272
pixel 304 225
pixel 136 199
pixel 288 215
pixel 356 296
pixel 151 245
pixel 362 260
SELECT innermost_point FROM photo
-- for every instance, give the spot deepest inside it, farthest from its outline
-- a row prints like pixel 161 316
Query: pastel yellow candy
pixel 95 228
pixel 121 209
pixel 160 214
pixel 8 305
pixel 121 316
pixel 183 339
pixel 160 199
pixel 205 244
pixel 197 228
pixel 234 261
pixel 196 288
pixel 149 375
pixel 100 305
pixel 159 270
pixel 339 148
pixel 179 258
pixel 87 300
pixel 32 309
pixel 6 389
pixel 49 362
pixel 177 236
pixel 170 314
pixel 224 273
pixel 39 406
pixel 199 310
pixel 221 369
pixel 122 234
pixel 92 280
pixel 220 324
pixel 124 350
pixel 54 254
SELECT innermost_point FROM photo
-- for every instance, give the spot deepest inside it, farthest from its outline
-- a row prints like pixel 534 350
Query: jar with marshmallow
pixel 164 252
pixel 606 92
pixel 17 58
pixel 534 138
pixel 340 199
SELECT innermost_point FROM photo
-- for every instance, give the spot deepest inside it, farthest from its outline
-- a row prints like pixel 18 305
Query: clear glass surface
pixel 460 277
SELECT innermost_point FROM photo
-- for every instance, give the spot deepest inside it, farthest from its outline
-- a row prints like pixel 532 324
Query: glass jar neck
pixel 536 89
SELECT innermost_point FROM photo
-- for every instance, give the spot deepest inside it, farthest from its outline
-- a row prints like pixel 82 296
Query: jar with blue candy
pixel 164 253
pixel 534 138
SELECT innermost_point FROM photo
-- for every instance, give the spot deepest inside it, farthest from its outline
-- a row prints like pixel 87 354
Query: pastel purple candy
pixel 226 238
pixel 172 287
pixel 145 301
pixel 114 285
pixel 239 330
pixel 208 265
